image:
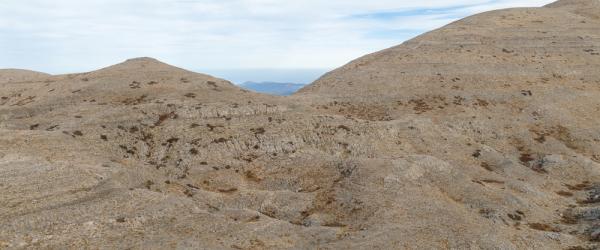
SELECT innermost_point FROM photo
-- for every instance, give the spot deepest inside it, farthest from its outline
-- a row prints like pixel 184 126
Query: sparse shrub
pixel 163 117
pixel 252 176
pixel 420 106
pixel 344 127
pixel 148 184
pixel 482 103
pixel 514 217
pixel 564 193
pixel 220 140
pixel 134 85
pixel 227 190
pixel 543 227
pixel 258 131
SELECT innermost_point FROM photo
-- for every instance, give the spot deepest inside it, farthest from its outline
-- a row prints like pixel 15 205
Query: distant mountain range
pixel 273 88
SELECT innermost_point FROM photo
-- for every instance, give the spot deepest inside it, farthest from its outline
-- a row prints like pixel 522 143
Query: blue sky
pixel 221 36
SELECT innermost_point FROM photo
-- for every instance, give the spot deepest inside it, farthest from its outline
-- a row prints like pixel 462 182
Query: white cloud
pixel 71 35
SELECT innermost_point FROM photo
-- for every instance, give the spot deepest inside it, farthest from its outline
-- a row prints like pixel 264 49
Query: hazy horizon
pixel 240 76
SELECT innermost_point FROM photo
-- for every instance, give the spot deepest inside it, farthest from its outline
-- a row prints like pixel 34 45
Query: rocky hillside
pixel 482 134
pixel 20 75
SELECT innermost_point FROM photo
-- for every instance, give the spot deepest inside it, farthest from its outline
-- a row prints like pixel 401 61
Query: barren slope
pixel 483 134
pixel 521 86
pixel 20 75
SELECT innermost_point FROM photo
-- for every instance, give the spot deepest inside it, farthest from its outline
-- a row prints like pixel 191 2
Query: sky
pixel 253 40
